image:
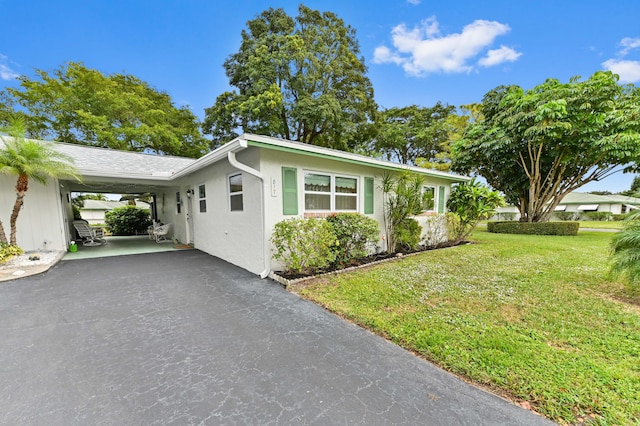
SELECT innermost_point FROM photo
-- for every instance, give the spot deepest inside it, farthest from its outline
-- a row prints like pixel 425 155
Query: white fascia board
pixel 125 175
pixel 312 149
pixel 214 156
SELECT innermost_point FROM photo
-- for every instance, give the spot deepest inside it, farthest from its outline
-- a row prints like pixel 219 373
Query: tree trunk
pixel 3 235
pixel 14 217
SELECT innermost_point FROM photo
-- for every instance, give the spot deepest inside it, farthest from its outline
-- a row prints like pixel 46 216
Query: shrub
pixel 471 202
pixel 127 220
pixel 7 251
pixel 598 216
pixel 619 217
pixel 566 215
pixel 534 228
pixel 357 236
pixel 435 230
pixel 407 235
pixel 508 216
pixel 403 198
pixel 304 245
pixel 625 249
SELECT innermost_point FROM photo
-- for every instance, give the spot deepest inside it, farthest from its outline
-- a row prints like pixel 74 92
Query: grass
pixel 534 318
pixel 591 224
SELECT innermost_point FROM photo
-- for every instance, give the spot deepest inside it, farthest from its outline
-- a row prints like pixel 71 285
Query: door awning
pixel 560 208
pixel 588 207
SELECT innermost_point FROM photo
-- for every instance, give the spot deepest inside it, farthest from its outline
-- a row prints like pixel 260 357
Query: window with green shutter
pixel 289 191
pixel 441 200
pixel 368 195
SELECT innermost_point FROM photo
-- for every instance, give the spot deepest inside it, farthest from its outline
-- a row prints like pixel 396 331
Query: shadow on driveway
pixel 185 338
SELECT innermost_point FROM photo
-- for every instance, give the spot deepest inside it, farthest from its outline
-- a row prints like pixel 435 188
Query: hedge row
pixel 534 228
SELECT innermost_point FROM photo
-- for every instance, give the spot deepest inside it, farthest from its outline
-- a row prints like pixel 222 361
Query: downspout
pixel 231 155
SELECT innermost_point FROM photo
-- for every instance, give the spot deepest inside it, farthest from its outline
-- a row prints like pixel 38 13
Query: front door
pixel 189 216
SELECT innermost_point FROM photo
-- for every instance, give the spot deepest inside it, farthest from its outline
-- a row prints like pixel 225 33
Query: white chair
pixel 90 237
pixel 161 233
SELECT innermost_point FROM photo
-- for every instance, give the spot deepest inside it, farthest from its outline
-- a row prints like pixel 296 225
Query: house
pixel 225 203
pixel 581 203
pixel 93 211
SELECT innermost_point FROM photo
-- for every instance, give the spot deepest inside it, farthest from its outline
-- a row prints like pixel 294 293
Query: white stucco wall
pixel 237 236
pixel 272 162
pixel 40 225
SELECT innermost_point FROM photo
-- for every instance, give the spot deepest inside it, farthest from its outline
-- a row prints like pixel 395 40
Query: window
pixel 235 193
pixel 324 192
pixel 178 203
pixel 429 198
pixel 202 198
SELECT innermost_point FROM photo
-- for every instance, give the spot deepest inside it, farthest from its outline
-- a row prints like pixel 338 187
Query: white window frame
pixel 237 193
pixel 435 197
pixel 332 193
pixel 201 199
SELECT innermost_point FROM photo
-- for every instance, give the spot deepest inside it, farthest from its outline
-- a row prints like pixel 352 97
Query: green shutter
pixel 441 199
pixel 368 195
pixel 289 191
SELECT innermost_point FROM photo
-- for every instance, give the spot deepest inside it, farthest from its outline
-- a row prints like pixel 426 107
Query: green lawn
pixel 534 318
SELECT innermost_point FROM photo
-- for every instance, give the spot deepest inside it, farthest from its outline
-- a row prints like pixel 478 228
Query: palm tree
pixel 625 248
pixel 29 160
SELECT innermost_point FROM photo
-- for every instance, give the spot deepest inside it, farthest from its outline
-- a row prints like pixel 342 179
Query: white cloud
pixel 6 73
pixel 416 2
pixel 628 44
pixel 498 56
pixel 629 71
pixel 421 50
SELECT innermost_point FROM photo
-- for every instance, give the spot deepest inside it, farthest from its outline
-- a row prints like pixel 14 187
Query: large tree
pixel 408 133
pixel 76 104
pixel 538 145
pixel 29 160
pixel 298 78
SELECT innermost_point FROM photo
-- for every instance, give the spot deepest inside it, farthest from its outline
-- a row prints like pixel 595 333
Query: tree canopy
pixel 299 78
pixel 408 133
pixel 76 104
pixel 538 145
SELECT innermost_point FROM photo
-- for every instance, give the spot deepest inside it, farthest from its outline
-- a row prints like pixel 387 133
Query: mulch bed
pixel 289 278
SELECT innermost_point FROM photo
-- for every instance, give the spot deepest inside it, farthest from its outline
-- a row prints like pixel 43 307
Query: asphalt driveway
pixel 184 338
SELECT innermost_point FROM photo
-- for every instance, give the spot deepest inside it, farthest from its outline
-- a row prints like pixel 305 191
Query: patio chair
pixel 161 233
pixel 90 237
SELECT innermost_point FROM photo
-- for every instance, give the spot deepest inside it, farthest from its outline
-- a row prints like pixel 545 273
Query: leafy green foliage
pixel 356 235
pixel 29 160
pixel 299 78
pixel 566 215
pixel 76 104
pixel 408 133
pixel 471 202
pixel 533 317
pixel 598 216
pixel 634 190
pixel 538 145
pixel 534 228
pixel 407 235
pixel 127 220
pixel 7 251
pixel 304 245
pixel 625 248
pixel 619 217
pixel 403 198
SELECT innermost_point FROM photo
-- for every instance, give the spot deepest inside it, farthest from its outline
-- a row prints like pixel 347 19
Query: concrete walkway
pixel 183 338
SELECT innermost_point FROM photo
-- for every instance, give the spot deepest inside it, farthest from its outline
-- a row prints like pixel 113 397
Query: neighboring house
pixel 582 202
pixel 225 203
pixel 94 211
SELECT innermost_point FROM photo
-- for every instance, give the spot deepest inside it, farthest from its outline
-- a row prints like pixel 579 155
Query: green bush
pixel 625 250
pixel 357 236
pixel 7 251
pixel 619 217
pixel 127 220
pixel 598 216
pixel 534 228
pixel 76 212
pixel 566 215
pixel 408 233
pixel 507 216
pixel 304 245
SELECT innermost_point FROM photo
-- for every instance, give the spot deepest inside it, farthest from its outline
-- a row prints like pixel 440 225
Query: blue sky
pixel 417 51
